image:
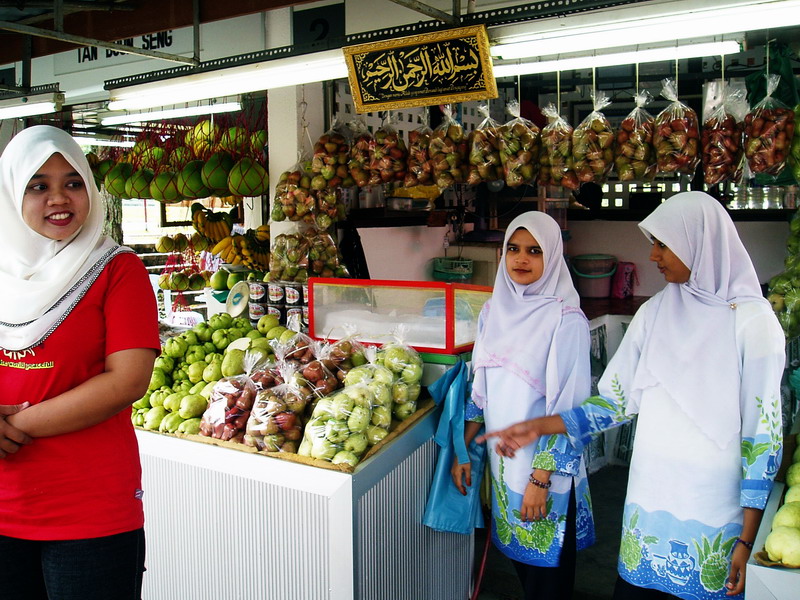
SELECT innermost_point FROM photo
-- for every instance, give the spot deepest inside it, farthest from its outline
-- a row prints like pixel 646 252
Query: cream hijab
pixel 691 348
pixel 42 279
pixel 519 333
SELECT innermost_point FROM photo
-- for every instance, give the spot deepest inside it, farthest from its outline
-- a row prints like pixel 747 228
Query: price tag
pixel 184 318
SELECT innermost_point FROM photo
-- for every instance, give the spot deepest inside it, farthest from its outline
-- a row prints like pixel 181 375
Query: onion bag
pixel 484 150
pixel 676 136
pixel 768 132
pixel 519 148
pixel 556 162
pixel 634 155
pixel 592 143
pixel 448 151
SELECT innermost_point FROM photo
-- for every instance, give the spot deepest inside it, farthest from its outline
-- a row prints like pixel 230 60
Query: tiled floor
pixel 596 566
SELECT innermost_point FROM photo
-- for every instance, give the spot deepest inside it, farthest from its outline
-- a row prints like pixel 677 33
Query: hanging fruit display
pixel 676 134
pixel 634 155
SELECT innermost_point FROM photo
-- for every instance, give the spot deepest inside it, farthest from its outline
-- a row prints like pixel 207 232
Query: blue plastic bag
pixel 447 510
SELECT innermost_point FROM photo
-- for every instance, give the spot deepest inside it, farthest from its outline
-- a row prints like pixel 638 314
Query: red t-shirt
pixel 87 483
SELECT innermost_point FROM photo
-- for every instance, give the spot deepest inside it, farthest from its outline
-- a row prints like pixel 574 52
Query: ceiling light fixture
pixel 572 62
pixel 648 24
pixel 28 106
pixel 283 72
pixel 172 113
pixel 93 141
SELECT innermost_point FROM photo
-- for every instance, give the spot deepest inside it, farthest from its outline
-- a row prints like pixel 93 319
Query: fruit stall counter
pixel 222 523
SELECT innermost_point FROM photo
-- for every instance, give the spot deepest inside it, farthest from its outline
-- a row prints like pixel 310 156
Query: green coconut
pixel 248 178
pixel 235 140
pixel 138 184
pixel 258 141
pixel 190 181
pixel 116 178
pixel 179 157
pixel 141 146
pixel 215 172
pixel 164 187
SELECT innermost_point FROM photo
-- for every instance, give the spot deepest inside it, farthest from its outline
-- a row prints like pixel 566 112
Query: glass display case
pixel 430 316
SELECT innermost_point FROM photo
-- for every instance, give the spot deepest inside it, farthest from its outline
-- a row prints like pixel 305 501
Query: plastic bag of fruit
pixel 420 166
pixel 319 374
pixel 329 207
pixel 768 132
pixel 448 150
pixel 337 431
pixel 794 151
pixel 230 403
pixel 288 260
pixel 721 141
pixel 324 258
pixel 676 134
pixel 556 165
pixel 358 162
pixel 592 143
pixel 293 198
pixel 329 162
pixel 519 148
pixel 387 155
pixel 345 353
pixel 484 150
pixel 634 155
pixel 406 365
pixel 276 418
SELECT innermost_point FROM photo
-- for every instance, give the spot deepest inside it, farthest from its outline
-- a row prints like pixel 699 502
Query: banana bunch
pixel 246 249
pixel 216 226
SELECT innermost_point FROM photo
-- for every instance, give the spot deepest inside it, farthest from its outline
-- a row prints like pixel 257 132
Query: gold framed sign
pixel 421 70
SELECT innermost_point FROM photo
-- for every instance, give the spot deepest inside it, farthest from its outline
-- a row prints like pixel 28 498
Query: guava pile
pixel 784 289
pixel 783 543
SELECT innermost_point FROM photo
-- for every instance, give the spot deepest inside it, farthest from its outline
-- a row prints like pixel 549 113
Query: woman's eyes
pixel 71 185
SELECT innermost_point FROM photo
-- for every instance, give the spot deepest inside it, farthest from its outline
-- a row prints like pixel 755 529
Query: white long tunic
pixel 683 509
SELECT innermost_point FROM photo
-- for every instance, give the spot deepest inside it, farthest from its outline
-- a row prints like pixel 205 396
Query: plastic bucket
pixel 452 269
pixel 592 274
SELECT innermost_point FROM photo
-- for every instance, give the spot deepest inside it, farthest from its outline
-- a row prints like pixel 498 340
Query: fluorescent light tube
pixel 557 37
pixel 90 141
pixel 172 113
pixel 28 106
pixel 283 72
pixel 570 63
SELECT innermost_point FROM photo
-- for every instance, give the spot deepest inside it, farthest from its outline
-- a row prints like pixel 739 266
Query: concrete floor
pixel 596 569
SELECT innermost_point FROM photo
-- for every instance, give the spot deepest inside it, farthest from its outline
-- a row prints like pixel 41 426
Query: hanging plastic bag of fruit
pixel 768 132
pixel 420 166
pixel 676 135
pixel 448 150
pixel 293 199
pixel 358 162
pixel 329 162
pixel 388 154
pixel 592 143
pixel 519 148
pixel 634 155
pixel 484 150
pixel 556 162
pixel 337 429
pixel 722 141
pixel 288 260
pixel 329 207
pixel 794 151
pixel 324 258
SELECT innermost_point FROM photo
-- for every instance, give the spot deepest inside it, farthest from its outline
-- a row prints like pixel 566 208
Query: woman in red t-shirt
pixel 78 338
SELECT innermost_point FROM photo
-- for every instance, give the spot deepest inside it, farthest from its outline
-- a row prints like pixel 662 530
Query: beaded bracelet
pixel 542 484
pixel 748 545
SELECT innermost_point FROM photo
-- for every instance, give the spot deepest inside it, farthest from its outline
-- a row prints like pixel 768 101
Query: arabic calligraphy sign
pixel 421 70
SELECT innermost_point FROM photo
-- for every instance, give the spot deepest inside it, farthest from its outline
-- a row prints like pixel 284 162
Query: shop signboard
pixel 421 70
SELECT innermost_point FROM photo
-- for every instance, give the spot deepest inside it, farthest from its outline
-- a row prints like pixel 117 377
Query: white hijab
pixel 42 279
pixel 691 347
pixel 520 330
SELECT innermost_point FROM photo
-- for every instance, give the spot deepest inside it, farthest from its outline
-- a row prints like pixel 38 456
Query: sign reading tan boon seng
pixel 421 70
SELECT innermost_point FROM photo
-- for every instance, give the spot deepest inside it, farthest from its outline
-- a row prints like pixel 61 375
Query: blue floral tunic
pixel 507 399
pixel 683 509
